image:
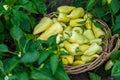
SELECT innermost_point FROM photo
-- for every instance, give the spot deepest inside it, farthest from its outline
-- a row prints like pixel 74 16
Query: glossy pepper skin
pixel 76 22
pixel 43 25
pixel 65 9
pixel 97 31
pixel 63 18
pixel 54 29
pixel 76 13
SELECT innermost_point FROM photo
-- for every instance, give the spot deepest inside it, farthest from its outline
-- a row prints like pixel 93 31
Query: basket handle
pixel 111 42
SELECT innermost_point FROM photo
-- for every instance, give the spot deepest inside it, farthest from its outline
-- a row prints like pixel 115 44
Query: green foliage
pixel 22 57
pixel 3 48
pixel 94 76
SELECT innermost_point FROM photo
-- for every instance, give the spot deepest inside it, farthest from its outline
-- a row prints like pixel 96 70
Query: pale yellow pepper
pixel 96 40
pixel 72 48
pixel 89 58
pixel 76 13
pixel 88 24
pixel 43 25
pixel 97 31
pixel 93 49
pixel 54 29
pixel 89 34
pixel 65 9
pixel 78 62
pixel 78 38
pixel 76 22
pixel 63 18
pixel 84 47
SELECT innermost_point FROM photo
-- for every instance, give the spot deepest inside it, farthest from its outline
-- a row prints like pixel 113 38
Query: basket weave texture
pixel 108 47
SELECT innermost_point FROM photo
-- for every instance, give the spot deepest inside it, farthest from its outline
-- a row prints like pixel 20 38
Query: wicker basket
pixel 104 56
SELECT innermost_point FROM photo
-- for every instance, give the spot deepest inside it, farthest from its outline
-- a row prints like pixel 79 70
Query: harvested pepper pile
pixel 77 34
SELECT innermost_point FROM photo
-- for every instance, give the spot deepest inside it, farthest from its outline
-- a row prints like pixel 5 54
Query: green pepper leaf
pixel 30 6
pixel 1 66
pixel 61 73
pixel 10 64
pixel 3 48
pixel 94 76
pixel 43 56
pixel 114 6
pixel 115 54
pixel 99 25
pixel 16 33
pixel 117 24
pixel 54 63
pixel 41 6
pixel 90 4
pixel 10 2
pixel 38 75
pixel 22 76
pixel 116 69
pixel 30 56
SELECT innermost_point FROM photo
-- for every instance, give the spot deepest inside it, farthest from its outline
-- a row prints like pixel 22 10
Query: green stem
pixel 112 16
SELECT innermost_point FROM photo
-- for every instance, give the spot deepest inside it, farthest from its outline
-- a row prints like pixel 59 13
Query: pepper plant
pixel 22 57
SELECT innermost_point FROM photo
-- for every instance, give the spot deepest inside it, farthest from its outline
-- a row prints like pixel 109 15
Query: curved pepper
pixel 65 9
pixel 76 22
pixel 43 25
pixel 63 18
pixel 97 31
pixel 72 48
pixel 94 48
pixel 78 38
pixel 87 58
pixel 89 34
pixel 78 62
pixel 54 29
pixel 76 13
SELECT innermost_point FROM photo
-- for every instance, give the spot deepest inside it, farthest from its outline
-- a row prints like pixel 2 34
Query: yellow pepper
pixel 89 58
pixel 88 24
pixel 78 38
pixel 97 31
pixel 43 25
pixel 76 13
pixel 54 29
pixel 76 22
pixel 79 30
pixel 70 58
pixel 89 34
pixel 67 32
pixel 65 61
pixel 84 47
pixel 78 62
pixel 94 48
pixel 63 18
pixel 72 48
pixel 65 9
pixel 97 40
